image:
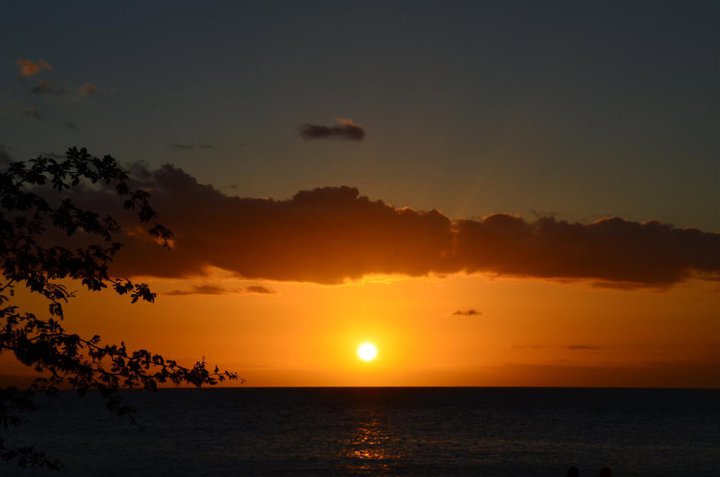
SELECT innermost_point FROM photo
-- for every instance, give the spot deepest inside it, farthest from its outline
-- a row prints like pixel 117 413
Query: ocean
pixel 381 432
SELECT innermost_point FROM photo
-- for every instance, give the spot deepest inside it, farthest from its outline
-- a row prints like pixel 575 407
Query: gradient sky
pixel 577 111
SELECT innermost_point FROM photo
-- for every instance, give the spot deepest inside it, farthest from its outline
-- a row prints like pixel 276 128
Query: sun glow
pixel 367 352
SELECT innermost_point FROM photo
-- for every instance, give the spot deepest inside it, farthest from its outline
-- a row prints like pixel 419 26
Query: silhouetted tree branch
pixel 33 210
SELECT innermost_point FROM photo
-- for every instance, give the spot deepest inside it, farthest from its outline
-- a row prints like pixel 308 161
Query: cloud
pixel 34 113
pixel 87 89
pixel 333 234
pixel 45 87
pixel 5 156
pixel 608 251
pixel 200 290
pixel 31 68
pixel 346 129
pixel 260 289
pixel 190 147
pixel 54 155
pixel 572 347
pixel 468 312
pixel 219 290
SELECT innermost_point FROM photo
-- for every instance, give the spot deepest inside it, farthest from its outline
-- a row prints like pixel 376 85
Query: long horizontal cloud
pixel 45 87
pixel 190 147
pixel 219 290
pixel 331 234
pixel 345 129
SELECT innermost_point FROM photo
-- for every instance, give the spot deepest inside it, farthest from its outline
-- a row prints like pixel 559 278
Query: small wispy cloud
pixel 346 130
pixel 87 89
pixel 45 87
pixel 260 289
pixel 33 113
pixel 468 312
pixel 200 290
pixel 190 147
pixel 31 68
pixel 583 347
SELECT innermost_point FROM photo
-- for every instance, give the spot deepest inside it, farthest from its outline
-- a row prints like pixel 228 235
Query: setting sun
pixel 367 352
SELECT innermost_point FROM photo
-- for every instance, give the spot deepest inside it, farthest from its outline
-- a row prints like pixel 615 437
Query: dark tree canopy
pixel 35 208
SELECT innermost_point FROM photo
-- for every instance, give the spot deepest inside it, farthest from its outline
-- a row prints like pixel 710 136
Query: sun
pixel 367 352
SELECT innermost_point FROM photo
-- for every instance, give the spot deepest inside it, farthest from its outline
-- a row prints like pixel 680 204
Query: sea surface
pixel 382 431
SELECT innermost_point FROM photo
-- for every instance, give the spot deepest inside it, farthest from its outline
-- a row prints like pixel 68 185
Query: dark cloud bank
pixel 332 234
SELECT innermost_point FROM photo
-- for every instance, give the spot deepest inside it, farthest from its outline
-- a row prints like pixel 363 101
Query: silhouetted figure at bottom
pixel 605 472
pixel 573 472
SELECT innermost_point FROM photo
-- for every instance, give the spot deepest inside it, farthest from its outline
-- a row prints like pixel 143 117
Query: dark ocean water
pixel 383 431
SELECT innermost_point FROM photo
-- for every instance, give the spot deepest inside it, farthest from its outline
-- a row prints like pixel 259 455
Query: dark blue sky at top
pixel 583 109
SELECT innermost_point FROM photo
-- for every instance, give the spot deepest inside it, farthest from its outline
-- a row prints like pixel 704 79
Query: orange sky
pixel 526 332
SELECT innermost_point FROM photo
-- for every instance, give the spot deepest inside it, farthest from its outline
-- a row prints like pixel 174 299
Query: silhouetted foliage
pixel 34 210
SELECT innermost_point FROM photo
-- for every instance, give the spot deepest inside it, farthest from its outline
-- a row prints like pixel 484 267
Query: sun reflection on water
pixel 368 441
pixel 369 448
